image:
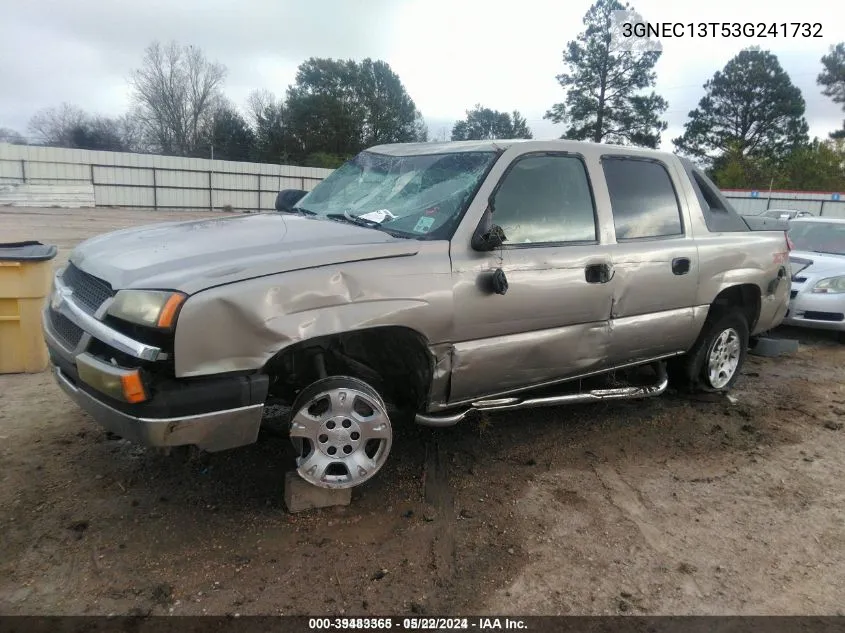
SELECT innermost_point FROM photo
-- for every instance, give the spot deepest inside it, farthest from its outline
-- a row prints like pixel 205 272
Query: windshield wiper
pixel 354 219
pixel 369 224
pixel 303 211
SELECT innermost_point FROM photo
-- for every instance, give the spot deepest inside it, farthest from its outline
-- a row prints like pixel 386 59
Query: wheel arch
pixel 397 360
pixel 746 297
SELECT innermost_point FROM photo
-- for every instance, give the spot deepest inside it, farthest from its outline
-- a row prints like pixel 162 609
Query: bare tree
pixel 55 126
pixel 8 135
pixel 258 102
pixel 177 89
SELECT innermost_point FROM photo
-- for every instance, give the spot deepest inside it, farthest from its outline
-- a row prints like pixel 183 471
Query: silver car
pixel 817 299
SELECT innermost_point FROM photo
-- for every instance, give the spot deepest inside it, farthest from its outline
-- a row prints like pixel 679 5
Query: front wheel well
pixel 395 360
pixel 745 297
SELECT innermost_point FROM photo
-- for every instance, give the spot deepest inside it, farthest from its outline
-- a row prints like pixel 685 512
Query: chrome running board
pixel 507 404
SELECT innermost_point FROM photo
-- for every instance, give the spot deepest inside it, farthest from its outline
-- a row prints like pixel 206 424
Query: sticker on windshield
pixel 424 224
pixel 378 216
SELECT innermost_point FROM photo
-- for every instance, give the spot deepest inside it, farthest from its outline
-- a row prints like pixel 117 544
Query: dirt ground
pixel 664 506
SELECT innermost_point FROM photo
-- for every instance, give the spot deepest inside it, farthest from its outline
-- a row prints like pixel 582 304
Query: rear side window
pixel 642 199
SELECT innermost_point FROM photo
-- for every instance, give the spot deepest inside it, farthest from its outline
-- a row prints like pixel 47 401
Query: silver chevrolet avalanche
pixel 434 279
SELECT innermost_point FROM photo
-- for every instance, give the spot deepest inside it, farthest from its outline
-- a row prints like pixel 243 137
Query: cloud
pixel 450 55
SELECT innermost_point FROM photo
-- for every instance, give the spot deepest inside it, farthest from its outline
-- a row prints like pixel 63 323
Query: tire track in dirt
pixel 629 502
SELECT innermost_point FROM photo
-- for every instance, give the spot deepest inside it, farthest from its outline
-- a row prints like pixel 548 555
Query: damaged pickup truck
pixel 435 279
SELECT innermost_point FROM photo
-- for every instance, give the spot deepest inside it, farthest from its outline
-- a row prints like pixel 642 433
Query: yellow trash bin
pixel 26 275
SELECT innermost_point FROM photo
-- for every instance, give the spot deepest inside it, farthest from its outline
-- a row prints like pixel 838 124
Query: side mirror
pixel 287 198
pixel 487 236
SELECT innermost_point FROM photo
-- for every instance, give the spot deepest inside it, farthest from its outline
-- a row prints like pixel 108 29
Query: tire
pixel 715 361
pixel 341 431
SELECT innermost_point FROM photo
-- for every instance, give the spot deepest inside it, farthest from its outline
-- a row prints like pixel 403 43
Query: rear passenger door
pixel 655 261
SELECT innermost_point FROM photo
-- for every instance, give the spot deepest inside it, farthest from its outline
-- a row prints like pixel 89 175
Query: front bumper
pixel 813 310
pixel 213 413
pixel 213 431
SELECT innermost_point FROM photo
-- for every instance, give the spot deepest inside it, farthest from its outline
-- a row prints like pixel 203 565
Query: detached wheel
pixel 714 362
pixel 341 432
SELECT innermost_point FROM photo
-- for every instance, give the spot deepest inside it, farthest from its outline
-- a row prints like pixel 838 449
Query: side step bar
pixel 506 404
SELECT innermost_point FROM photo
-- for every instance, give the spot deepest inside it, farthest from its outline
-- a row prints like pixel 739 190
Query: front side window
pixel 545 199
pixel 642 199
pixel 412 196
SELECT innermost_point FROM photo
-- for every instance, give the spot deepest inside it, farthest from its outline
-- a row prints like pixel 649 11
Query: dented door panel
pixel 506 363
pixel 652 306
pixel 528 334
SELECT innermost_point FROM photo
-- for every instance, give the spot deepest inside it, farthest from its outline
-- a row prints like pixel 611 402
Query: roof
pixel 448 147
pixel 823 219
pixel 560 145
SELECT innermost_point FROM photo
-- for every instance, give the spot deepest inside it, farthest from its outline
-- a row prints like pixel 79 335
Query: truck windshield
pixel 818 237
pixel 415 196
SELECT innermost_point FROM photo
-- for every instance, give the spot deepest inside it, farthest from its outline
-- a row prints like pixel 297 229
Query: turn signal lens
pixel 133 388
pixel 167 316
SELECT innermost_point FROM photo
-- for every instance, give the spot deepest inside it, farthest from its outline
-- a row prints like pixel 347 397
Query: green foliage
pixel 604 87
pixel 97 134
pixel 339 107
pixel 832 80
pixel 269 118
pixel 486 124
pixel 230 136
pixel 819 166
pixel 815 166
pixel 327 161
pixel 751 109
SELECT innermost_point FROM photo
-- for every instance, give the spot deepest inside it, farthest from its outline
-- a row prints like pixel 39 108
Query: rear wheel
pixel 715 361
pixel 341 432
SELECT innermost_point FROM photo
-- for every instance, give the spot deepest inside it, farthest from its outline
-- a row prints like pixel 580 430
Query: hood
pixel 806 263
pixel 192 256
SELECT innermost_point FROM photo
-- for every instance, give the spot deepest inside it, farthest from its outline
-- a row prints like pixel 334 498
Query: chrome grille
pixel 89 292
pixel 66 330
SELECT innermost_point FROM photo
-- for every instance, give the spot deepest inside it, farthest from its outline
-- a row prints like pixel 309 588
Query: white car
pixel 787 214
pixel 817 299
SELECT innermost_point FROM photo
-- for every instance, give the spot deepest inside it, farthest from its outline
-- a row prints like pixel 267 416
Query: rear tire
pixel 715 361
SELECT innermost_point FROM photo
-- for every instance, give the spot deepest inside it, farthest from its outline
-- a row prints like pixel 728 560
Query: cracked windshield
pixel 413 196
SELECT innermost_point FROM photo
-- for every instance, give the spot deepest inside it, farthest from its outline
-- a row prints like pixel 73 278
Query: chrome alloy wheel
pixel 723 358
pixel 341 432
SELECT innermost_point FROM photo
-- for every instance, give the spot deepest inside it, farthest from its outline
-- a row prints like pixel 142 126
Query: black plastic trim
pixel 173 398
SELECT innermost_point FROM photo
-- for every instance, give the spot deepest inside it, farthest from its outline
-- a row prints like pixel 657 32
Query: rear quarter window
pixel 719 215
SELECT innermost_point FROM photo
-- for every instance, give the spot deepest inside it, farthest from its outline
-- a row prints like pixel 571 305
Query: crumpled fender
pixel 242 326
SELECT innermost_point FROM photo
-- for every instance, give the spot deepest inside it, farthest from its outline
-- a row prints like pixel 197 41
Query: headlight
pixel 153 308
pixel 831 285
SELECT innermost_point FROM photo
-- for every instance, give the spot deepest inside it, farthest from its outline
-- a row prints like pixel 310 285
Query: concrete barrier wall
pixel 150 181
pixel 66 196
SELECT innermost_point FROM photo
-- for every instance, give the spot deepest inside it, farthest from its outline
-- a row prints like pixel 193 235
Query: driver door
pixel 553 321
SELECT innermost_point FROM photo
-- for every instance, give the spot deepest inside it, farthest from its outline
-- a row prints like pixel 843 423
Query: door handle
pixel 598 273
pixel 680 265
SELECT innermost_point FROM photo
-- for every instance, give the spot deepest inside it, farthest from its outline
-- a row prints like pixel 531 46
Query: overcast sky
pixel 450 54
